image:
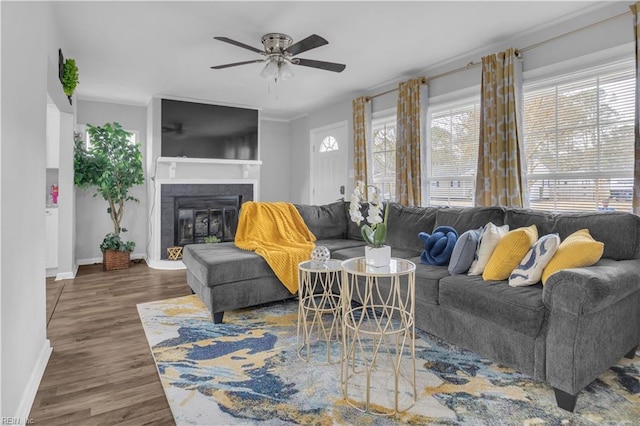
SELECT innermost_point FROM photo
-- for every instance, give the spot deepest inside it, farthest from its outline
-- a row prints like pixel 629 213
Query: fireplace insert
pixel 199 217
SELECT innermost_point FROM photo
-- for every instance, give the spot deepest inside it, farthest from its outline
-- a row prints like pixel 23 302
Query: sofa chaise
pixel 565 333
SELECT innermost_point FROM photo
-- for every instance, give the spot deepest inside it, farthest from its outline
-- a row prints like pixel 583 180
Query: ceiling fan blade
pixel 235 64
pixel 239 44
pixel 329 66
pixel 308 43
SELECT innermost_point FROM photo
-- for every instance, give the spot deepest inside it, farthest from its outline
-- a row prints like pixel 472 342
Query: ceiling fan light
pixel 270 71
pixel 285 71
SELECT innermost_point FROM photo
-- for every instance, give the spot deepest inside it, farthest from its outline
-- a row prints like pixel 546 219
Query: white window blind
pixel 383 154
pixel 452 153
pixel 579 141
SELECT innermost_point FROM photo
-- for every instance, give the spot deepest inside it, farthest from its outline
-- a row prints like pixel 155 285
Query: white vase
pixel 377 257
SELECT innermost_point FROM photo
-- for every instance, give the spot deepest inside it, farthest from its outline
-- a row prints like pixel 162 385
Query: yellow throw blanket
pixel 276 232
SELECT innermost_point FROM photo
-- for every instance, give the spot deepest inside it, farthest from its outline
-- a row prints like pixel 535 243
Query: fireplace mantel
pixel 208 160
pixel 181 170
pixel 173 167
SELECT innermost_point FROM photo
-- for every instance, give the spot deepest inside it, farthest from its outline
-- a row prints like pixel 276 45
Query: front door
pixel 328 163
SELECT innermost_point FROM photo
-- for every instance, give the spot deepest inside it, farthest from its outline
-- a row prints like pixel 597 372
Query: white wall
pixel 67 265
pixel 27 34
pixel 276 159
pixel 92 220
pixel 299 166
pixel 593 46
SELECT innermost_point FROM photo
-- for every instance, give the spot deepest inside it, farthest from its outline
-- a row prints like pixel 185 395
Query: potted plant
pixel 69 77
pixel 374 232
pixel 113 165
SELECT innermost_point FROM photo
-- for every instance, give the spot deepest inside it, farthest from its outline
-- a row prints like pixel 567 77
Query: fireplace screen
pixel 200 217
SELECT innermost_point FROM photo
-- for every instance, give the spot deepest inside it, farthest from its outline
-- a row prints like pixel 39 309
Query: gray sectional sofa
pixel 566 333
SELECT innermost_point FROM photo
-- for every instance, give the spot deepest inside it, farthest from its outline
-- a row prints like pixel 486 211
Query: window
pixel 328 144
pixel 83 133
pixel 384 156
pixel 452 153
pixel 579 140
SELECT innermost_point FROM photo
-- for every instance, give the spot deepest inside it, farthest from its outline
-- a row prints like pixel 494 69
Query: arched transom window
pixel 329 144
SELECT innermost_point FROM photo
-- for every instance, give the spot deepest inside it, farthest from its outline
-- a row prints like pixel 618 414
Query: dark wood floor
pixel 101 371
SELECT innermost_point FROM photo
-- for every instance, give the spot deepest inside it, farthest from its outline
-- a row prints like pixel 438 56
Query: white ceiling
pixel 130 51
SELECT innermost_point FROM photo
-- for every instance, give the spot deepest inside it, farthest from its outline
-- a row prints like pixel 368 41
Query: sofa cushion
pixel 348 252
pixel 487 243
pixel 339 244
pixel 576 251
pixel 215 264
pixel 464 252
pixel 509 252
pixel 428 280
pixel 325 222
pixel 617 230
pixel 516 308
pixel 529 271
pixel 404 223
pixel 463 219
pixel 358 251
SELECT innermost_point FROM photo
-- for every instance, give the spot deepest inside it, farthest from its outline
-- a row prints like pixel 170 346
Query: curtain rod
pixel 423 80
pixel 473 64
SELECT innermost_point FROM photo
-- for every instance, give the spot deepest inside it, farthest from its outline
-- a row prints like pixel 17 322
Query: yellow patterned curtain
pixel 408 143
pixel 635 8
pixel 501 178
pixel 361 114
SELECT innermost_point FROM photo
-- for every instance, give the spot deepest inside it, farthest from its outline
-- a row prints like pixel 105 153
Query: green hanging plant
pixel 69 76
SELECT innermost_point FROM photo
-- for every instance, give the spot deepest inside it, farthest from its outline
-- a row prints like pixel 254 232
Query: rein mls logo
pixel 16 421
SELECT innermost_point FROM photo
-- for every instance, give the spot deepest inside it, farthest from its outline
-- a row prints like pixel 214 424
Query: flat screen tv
pixel 197 130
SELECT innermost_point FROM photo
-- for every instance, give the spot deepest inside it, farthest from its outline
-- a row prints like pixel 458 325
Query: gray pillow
pixel 464 251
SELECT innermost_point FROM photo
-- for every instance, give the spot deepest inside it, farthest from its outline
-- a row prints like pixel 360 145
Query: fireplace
pixel 196 218
pixel 191 212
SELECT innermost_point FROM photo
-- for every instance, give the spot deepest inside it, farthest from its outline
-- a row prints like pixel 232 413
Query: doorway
pixel 328 163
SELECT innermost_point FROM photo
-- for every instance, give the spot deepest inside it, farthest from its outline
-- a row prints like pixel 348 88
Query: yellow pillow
pixel 509 252
pixel 576 251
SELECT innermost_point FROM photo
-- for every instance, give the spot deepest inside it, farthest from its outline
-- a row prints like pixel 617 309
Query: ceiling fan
pixel 279 51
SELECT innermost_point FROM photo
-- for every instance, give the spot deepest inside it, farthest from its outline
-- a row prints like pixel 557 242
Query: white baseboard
pixel 67 275
pixel 92 260
pixel 29 394
pixel 166 264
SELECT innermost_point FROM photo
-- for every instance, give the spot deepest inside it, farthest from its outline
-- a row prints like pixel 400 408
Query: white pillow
pixel 532 265
pixel 489 239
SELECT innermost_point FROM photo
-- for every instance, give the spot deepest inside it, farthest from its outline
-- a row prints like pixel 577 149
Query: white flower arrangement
pixel 374 232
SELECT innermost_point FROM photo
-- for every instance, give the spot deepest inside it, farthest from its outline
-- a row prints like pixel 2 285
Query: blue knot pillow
pixel 438 246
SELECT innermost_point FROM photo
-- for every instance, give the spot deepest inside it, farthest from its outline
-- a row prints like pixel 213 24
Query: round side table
pixel 378 335
pixel 319 310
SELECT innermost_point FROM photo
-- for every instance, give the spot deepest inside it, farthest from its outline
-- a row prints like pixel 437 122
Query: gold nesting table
pixel 319 311
pixel 378 336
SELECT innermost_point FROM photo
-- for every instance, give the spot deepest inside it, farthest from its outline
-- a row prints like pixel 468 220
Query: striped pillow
pixel 530 269
pixel 489 239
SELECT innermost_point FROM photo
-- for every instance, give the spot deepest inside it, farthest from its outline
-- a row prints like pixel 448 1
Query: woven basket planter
pixel 115 259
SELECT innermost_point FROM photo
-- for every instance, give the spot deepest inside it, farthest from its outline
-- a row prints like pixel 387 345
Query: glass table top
pixel 311 266
pixel 397 266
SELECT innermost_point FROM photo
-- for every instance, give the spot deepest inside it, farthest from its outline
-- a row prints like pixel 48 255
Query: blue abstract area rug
pixel 246 371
